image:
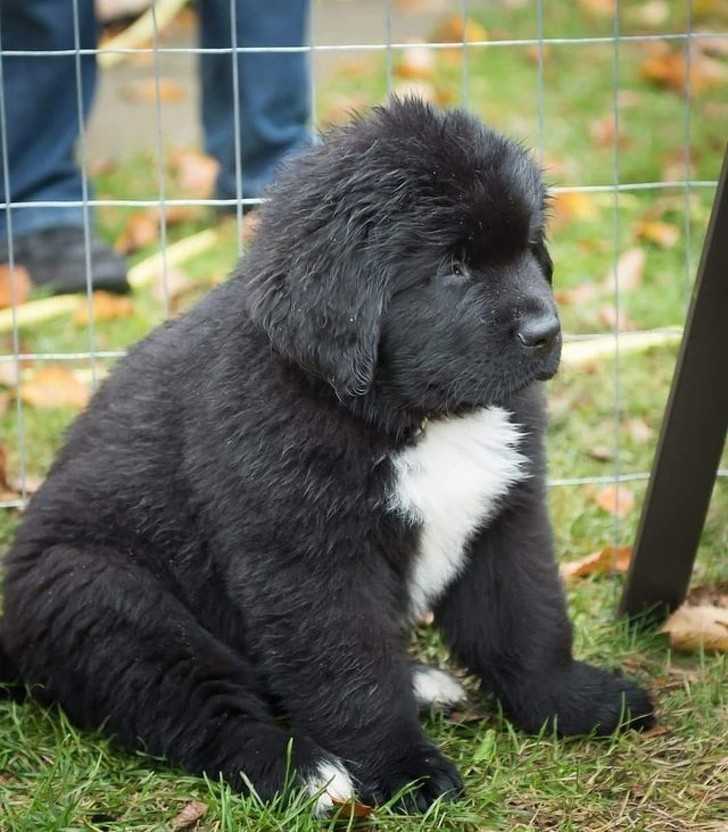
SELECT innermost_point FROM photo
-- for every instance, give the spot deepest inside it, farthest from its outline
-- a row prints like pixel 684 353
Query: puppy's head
pixel 407 253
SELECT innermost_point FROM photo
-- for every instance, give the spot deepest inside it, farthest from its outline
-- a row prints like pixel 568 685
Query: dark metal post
pixel 692 436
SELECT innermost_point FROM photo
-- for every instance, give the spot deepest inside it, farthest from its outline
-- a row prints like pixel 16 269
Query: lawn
pixel 676 778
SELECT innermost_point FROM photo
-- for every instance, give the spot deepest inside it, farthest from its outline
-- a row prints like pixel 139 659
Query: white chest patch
pixel 449 484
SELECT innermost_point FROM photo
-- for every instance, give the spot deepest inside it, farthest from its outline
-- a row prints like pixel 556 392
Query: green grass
pixel 53 778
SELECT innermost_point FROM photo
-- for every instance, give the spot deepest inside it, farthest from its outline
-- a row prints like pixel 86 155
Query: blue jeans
pixel 41 99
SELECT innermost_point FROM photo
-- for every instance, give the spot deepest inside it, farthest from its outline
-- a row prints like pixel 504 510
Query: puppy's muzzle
pixel 539 336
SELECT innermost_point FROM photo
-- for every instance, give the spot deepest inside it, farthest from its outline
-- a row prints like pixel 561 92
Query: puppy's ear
pixel 324 312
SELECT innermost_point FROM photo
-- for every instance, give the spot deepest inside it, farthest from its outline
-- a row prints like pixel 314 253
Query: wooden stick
pixel 141 31
pixel 37 311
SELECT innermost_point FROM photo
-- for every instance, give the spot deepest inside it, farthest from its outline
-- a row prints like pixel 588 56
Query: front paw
pixel 582 699
pixel 433 776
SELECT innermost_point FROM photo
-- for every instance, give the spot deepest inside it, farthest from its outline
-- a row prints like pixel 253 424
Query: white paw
pixel 436 688
pixel 332 784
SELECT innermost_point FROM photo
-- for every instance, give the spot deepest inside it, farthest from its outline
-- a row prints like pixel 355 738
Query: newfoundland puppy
pixel 226 557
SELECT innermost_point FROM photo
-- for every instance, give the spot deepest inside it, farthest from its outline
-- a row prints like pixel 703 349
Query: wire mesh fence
pixel 540 103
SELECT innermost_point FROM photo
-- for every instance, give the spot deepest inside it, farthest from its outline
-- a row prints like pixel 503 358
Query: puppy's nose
pixel 538 332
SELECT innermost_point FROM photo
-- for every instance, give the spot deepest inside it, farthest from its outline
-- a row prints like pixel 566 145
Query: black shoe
pixel 56 260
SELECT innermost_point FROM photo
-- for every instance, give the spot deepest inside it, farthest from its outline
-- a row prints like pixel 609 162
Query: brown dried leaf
pixel 598 8
pixel 195 172
pixel 655 731
pixel 54 386
pixel 715 595
pixel 106 307
pixel 352 808
pixel 615 500
pixel 189 815
pixel 141 229
pixel 569 206
pixel 630 269
pixel 5 486
pixel 144 91
pixel 666 67
pixel 8 373
pixel 639 431
pixel 341 107
pixel 417 62
pixel 466 716
pixel 606 561
pixel 601 453
pixel 662 234
pixel 603 133
pixel 173 285
pixel 607 316
pixel 577 295
pixel 419 89
pixel 454 29
pixel 695 627
pixel 14 285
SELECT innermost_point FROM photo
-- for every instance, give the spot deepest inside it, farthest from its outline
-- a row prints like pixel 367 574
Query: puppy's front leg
pixel 345 681
pixel 506 619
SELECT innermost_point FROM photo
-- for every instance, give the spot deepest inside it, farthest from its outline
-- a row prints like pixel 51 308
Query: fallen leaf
pixel 666 67
pixel 54 386
pixel 144 91
pixel 655 731
pixel 417 62
pixel 172 285
pixel 639 431
pixel 677 164
pixel 6 491
pixel 715 595
pixel 141 229
pixel 176 214
pixel 598 8
pixel 630 268
pixel 609 560
pixel 454 29
pixel 578 295
pixel 662 234
pixel 534 54
pixel 101 167
pixel 615 500
pixel 652 13
pixel 341 108
pixel 601 453
pixel 466 716
pixel 14 285
pixel 416 89
pixel 364 66
pixel 352 808
pixel 698 627
pixel 189 815
pixel 568 206
pixel 195 172
pixel 628 98
pixel 8 373
pixel 106 307
pixel 714 46
pixel 603 133
pixel 608 316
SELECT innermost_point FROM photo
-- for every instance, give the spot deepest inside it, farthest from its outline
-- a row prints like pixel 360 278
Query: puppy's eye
pixel 458 269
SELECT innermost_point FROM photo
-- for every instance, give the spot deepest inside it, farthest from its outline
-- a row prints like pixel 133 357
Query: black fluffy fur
pixel 211 557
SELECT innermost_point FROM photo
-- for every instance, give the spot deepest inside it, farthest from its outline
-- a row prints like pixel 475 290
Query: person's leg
pixel 41 127
pixel 273 89
pixel 41 111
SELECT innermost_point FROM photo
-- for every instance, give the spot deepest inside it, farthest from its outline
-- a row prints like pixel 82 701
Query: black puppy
pixel 265 492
